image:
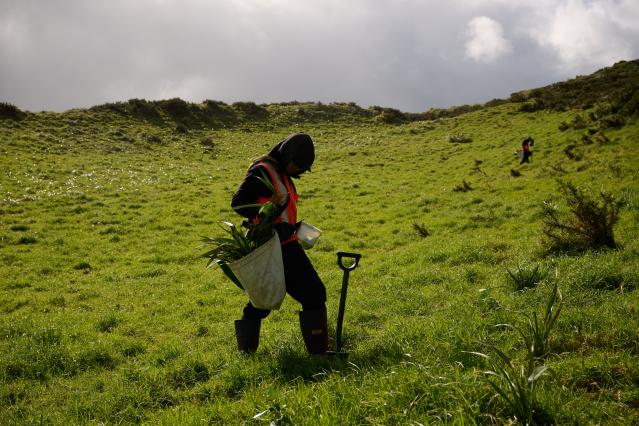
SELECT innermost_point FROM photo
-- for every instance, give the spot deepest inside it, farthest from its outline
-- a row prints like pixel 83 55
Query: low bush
pixel 421 230
pixel 588 226
pixel 175 107
pixel 462 187
pixel 532 106
pixel 459 138
pixel 573 153
pixel 612 120
pixel 143 109
pixel 389 115
pixel 525 277
pixel 250 109
pixel 8 110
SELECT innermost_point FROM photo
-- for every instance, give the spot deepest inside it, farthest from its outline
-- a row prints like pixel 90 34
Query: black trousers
pixel 302 282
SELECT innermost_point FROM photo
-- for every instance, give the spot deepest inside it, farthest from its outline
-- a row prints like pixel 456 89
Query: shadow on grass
pixel 293 364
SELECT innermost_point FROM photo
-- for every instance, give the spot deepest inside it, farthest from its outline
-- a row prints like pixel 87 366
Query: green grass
pixel 108 315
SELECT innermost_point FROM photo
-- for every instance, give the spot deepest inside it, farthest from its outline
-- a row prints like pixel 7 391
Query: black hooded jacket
pixel 297 148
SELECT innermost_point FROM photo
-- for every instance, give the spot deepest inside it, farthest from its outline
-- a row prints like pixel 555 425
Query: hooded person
pixel 287 160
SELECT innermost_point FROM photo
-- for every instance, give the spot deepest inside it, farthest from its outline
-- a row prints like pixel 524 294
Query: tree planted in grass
pixel 589 226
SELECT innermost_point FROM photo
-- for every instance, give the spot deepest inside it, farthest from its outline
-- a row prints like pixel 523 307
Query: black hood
pixel 297 148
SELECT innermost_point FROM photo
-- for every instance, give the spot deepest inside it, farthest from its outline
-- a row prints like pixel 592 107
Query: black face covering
pixel 297 148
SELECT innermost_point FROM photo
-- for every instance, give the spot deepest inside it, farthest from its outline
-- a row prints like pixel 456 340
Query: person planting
pixel 288 159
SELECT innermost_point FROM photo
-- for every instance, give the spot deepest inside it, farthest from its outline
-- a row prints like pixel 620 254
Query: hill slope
pixel 617 87
pixel 108 316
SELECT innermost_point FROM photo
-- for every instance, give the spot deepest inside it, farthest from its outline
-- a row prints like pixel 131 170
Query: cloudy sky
pixel 406 54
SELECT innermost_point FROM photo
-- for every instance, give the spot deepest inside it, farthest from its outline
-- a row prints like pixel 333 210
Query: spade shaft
pixel 342 300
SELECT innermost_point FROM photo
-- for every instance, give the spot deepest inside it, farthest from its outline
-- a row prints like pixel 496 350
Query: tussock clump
pixel 589 224
pixel 421 230
pixel 107 324
pixel 573 153
pixel 612 120
pixel 526 276
pixel 208 143
pixel 459 138
pixel 190 374
pixel 155 139
pixel 463 187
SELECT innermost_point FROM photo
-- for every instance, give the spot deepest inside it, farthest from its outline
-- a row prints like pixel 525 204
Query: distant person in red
pixel 525 149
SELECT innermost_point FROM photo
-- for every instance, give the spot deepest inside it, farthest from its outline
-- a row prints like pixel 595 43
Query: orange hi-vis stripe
pixel 284 189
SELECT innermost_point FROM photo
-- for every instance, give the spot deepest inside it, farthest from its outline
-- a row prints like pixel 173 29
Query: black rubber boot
pixel 247 332
pixel 315 330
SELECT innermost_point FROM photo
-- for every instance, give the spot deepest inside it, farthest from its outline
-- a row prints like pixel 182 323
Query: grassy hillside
pixel 108 315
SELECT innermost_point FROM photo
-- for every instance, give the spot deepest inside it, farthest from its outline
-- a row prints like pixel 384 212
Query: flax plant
pixel 515 384
pixel 526 277
pixel 536 331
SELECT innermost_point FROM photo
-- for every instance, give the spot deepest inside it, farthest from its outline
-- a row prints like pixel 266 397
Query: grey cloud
pixel 406 54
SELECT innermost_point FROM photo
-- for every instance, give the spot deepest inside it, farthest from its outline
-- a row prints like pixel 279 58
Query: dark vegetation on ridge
pixel 615 87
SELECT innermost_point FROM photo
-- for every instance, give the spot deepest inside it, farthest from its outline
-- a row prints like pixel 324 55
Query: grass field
pixel 108 315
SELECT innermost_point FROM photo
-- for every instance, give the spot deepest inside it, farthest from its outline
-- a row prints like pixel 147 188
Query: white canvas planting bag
pixel 261 273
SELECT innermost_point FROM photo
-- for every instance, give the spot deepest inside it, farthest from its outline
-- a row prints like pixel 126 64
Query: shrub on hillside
pixel 151 138
pixel 462 187
pixel 629 102
pixel 588 226
pixel 218 108
pixel 144 109
pixel 495 102
pixel 117 107
pixel 175 107
pixel 8 110
pixel 437 113
pixel 459 138
pixel 612 120
pixel 250 109
pixel 579 122
pixel 572 152
pixel 532 106
pixel 389 115
pixel 208 143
